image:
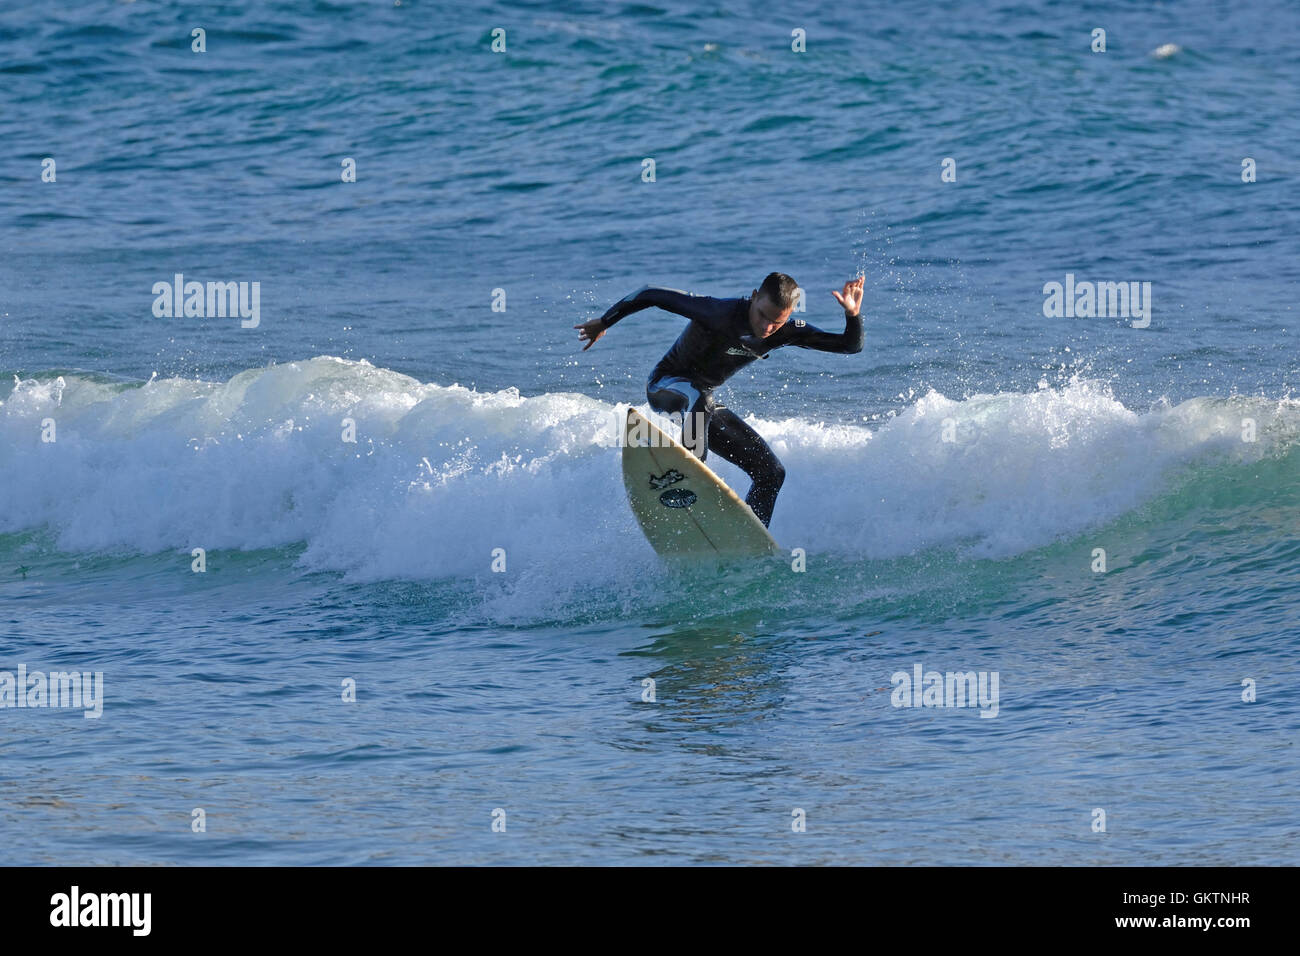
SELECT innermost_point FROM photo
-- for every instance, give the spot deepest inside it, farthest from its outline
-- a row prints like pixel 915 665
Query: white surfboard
pixel 682 506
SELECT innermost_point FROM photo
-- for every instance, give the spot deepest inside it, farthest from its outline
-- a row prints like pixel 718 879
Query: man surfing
pixel 725 335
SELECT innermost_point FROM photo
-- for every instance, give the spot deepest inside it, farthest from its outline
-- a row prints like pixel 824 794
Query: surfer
pixel 725 335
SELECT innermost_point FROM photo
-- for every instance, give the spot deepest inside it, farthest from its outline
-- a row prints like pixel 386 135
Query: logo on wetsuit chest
pixel 744 348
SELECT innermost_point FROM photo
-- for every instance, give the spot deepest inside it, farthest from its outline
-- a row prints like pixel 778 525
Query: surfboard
pixel 682 506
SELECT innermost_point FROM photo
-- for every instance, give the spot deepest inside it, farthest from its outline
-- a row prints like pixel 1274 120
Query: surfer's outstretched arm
pixel 704 309
pixel 811 337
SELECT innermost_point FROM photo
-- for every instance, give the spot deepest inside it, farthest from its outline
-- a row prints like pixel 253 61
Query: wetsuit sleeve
pixel 811 337
pixel 709 312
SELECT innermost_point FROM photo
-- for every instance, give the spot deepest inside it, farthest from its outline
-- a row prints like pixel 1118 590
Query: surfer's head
pixel 771 304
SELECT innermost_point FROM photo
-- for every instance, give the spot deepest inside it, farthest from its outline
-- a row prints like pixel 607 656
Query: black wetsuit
pixel 716 344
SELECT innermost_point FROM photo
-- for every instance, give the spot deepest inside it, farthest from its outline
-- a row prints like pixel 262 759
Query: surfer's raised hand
pixel 851 297
pixel 591 330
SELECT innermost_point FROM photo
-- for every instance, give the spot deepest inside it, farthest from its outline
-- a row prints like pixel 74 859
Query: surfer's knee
pixel 667 401
pixel 769 476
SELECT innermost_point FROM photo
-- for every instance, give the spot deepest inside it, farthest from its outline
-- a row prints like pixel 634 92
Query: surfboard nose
pixel 635 432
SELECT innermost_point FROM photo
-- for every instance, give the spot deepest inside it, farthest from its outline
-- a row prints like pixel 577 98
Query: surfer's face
pixel 765 316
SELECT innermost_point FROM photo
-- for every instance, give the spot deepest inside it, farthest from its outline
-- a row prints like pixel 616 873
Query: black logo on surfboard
pixel 669 477
pixel 678 498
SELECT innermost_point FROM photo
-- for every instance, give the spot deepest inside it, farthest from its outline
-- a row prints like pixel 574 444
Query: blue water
pixel 521 690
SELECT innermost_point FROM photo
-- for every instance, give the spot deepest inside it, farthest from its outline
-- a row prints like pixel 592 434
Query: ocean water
pixel 951 492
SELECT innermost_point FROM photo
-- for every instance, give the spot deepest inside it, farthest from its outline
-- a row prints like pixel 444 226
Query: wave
pixel 440 476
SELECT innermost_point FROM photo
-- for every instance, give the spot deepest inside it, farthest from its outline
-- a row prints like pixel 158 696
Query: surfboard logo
pixel 669 477
pixel 678 498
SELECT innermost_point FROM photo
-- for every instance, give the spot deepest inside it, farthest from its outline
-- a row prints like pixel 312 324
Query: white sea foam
pixel 442 475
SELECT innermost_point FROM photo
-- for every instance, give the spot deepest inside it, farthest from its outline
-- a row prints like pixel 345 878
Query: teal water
pixel 1172 448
